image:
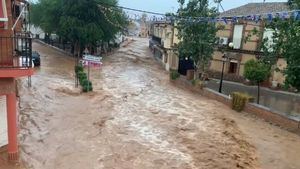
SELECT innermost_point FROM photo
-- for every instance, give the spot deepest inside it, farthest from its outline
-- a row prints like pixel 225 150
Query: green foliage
pixel 86 82
pixel 256 71
pixel 286 44
pixel 239 100
pixel 83 22
pixel 83 81
pixel 78 68
pixel 294 4
pixel 87 88
pixel 45 14
pixel 174 74
pixel 197 39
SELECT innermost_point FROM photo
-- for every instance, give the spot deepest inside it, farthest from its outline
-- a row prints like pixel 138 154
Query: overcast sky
pixel 163 6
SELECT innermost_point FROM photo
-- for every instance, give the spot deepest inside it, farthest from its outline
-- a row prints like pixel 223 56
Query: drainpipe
pixel 11 101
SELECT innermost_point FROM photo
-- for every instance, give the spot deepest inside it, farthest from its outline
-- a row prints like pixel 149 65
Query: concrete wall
pixel 265 113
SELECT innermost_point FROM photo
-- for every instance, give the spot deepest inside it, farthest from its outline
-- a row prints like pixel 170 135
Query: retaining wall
pixel 289 123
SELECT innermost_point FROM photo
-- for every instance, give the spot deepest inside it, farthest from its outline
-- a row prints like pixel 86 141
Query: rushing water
pixel 135 118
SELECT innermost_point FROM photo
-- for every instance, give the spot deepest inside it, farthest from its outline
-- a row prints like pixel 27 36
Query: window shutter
pixel 237 36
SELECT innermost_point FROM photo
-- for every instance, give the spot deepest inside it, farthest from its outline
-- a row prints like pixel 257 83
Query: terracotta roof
pixel 256 8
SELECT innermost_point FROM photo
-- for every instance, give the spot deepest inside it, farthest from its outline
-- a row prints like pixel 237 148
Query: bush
pixel 78 69
pixel 198 83
pixel 81 76
pixel 174 74
pixel 83 81
pixel 86 82
pixel 87 88
pixel 239 100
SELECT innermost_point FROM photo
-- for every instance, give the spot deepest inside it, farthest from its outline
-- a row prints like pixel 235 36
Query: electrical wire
pixel 228 18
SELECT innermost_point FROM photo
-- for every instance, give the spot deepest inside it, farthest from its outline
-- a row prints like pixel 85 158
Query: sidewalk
pixel 281 101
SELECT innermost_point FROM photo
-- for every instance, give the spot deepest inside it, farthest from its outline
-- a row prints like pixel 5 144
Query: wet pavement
pixel 137 119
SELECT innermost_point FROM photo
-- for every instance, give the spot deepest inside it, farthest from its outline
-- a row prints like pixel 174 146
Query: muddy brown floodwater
pixel 136 119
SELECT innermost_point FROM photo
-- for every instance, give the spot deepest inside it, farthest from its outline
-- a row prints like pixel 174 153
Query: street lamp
pixel 224 59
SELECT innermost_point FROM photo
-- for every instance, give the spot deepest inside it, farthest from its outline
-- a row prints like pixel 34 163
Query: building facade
pixel 163 43
pixel 245 45
pixel 15 62
pixel 144 29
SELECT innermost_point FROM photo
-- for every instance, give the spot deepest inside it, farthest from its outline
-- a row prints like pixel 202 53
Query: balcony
pixel 15 57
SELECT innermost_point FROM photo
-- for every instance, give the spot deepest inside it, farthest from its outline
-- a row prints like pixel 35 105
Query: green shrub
pixel 174 74
pixel 86 82
pixel 198 83
pixel 87 88
pixel 83 81
pixel 82 76
pixel 78 69
pixel 239 100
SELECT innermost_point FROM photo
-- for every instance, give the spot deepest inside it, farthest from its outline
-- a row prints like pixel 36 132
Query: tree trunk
pixel 258 92
pixel 73 49
pixel 47 38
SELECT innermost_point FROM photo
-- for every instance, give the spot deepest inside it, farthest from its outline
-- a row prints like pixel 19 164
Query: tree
pixel 286 44
pixel 85 23
pixel 295 4
pixel 197 36
pixel 45 14
pixel 257 72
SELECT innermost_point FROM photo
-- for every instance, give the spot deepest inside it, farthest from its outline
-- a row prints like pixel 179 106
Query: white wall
pixel 37 31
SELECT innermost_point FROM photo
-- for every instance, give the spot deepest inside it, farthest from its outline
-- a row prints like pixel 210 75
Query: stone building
pixel 242 50
pixel 144 29
pixel 164 42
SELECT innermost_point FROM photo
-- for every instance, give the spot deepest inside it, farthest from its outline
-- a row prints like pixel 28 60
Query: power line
pixel 255 17
pixel 132 9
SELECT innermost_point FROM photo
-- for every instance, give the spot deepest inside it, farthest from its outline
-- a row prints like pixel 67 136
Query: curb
pixel 53 47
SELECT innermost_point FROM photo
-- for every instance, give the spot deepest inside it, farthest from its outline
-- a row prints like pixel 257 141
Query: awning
pixel 3 12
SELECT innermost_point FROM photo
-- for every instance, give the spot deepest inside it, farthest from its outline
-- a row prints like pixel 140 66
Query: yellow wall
pixel 278 76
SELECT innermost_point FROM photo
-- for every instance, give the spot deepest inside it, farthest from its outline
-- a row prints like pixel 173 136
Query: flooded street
pixel 137 119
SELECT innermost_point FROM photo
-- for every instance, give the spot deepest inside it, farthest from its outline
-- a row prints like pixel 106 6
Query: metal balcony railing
pixel 15 52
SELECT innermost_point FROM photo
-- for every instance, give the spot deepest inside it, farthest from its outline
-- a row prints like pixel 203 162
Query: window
pixel 237 36
pixel 3 14
pixel 233 65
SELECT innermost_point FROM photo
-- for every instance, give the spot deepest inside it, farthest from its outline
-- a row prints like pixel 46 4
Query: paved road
pixel 136 119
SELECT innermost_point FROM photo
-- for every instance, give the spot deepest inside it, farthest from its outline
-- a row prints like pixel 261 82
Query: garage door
pixel 3 122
